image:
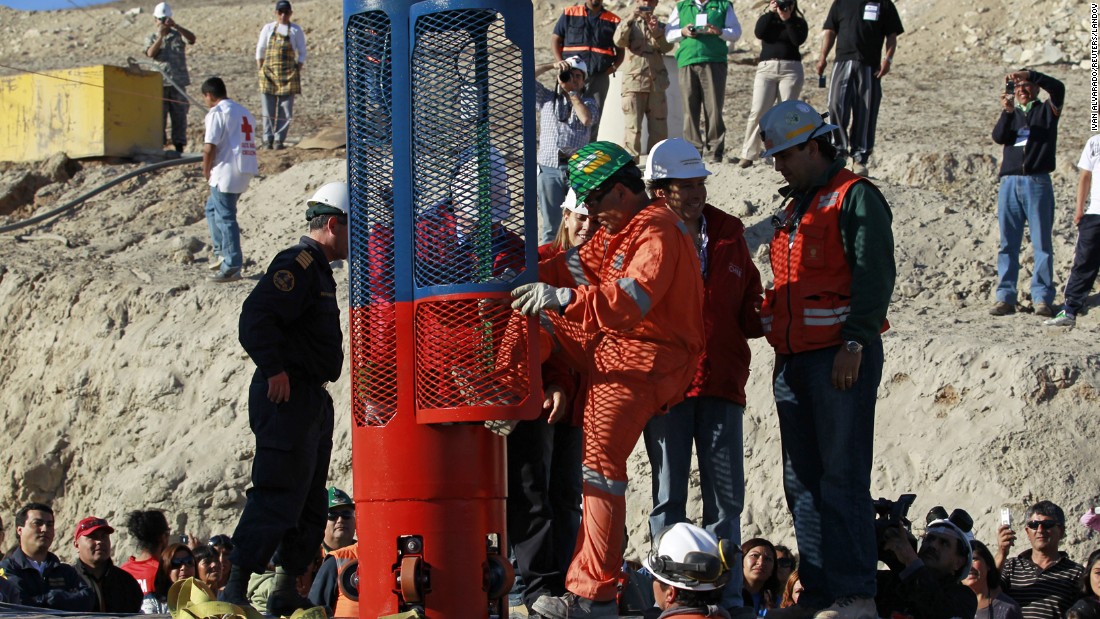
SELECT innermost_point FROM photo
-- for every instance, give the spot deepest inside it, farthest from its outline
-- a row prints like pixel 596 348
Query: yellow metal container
pixel 86 112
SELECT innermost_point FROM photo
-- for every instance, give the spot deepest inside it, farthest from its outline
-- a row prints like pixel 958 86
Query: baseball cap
pixel 162 10
pixel 593 164
pixel 282 5
pixel 90 525
pixel 338 498
pixel 576 63
pixel 789 124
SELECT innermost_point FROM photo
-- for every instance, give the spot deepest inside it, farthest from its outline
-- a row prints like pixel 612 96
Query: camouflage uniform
pixel 645 81
pixel 172 62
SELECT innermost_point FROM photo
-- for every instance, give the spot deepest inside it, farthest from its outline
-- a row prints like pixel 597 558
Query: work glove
pixel 534 298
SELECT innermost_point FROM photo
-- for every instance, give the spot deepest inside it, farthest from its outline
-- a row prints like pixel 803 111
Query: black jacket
pixel 1041 127
pixel 920 592
pixel 116 592
pixel 58 586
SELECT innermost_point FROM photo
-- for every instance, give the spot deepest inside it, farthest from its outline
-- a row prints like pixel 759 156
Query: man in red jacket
pixel 710 415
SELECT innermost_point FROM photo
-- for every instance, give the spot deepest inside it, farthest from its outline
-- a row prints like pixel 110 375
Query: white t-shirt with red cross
pixel 231 129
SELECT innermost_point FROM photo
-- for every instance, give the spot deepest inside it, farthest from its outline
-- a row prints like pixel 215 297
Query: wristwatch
pixel 853 347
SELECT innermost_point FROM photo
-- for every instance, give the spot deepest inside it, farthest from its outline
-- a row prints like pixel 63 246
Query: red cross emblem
pixel 246 129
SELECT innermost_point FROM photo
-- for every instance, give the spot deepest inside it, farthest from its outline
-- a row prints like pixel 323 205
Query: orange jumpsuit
pixel 635 326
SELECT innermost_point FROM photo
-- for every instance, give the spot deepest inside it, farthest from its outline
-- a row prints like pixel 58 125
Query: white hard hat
pixel 162 10
pixel 330 195
pixel 577 63
pixel 674 158
pixel 791 123
pixel 689 557
pixel 570 203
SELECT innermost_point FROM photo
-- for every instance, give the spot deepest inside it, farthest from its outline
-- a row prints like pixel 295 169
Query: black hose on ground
pixel 97 190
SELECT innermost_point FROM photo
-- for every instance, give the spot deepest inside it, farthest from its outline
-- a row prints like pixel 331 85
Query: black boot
pixel 284 598
pixel 236 589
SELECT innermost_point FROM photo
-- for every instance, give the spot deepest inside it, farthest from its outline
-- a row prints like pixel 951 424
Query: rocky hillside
pixel 123 385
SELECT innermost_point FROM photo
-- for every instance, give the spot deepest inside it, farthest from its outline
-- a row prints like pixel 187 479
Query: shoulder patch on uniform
pixel 304 259
pixel 283 280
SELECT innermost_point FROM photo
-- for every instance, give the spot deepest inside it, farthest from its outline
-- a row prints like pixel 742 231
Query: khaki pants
pixel 703 92
pixel 651 106
pixel 776 81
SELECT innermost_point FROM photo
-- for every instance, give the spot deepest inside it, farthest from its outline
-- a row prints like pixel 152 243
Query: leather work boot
pixel 236 589
pixel 284 598
pixel 573 606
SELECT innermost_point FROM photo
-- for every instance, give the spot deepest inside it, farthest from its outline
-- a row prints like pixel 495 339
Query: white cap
pixel 577 63
pixel 674 158
pixel 570 204
pixel 689 557
pixel 162 10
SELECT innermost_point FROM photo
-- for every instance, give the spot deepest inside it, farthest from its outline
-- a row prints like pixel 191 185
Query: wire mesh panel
pixel 370 176
pixel 468 190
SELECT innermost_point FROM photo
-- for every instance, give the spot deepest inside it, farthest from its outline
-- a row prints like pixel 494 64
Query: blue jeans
pixel 221 218
pixel 715 426
pixel 828 439
pixel 1030 200
pixel 553 184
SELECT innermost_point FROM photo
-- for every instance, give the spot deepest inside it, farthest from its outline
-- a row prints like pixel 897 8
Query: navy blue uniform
pixel 290 323
pixel 58 586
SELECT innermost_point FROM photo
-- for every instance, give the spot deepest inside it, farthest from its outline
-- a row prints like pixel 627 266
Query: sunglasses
pixel 345 514
pixel 222 540
pixel 784 562
pixel 1035 525
pixel 596 196
pixel 183 561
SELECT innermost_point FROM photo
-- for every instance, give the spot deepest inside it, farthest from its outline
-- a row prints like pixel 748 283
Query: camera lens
pixel 565 75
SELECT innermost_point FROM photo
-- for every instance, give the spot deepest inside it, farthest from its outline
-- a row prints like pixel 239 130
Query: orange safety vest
pixel 576 16
pixel 813 281
pixel 344 606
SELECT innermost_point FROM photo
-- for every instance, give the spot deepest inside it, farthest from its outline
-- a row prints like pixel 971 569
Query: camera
pixel 784 5
pixel 1010 87
pixel 565 75
pixel 888 516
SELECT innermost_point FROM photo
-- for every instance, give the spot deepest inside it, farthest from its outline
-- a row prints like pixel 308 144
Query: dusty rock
pixel 125 388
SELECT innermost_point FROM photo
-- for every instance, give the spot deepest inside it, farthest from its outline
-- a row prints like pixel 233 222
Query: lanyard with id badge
pixel 871 11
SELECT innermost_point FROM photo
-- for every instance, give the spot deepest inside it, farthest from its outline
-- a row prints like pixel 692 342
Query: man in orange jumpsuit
pixel 627 309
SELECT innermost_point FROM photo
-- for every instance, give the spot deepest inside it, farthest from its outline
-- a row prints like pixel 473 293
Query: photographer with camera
pixel 1027 130
pixel 690 568
pixel 168 49
pixel 704 29
pixel 566 115
pixel 645 78
pixel 925 583
pixel 1042 578
pixel 779 75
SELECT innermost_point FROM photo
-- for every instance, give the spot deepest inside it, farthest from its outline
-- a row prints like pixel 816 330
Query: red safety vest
pixel 813 281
